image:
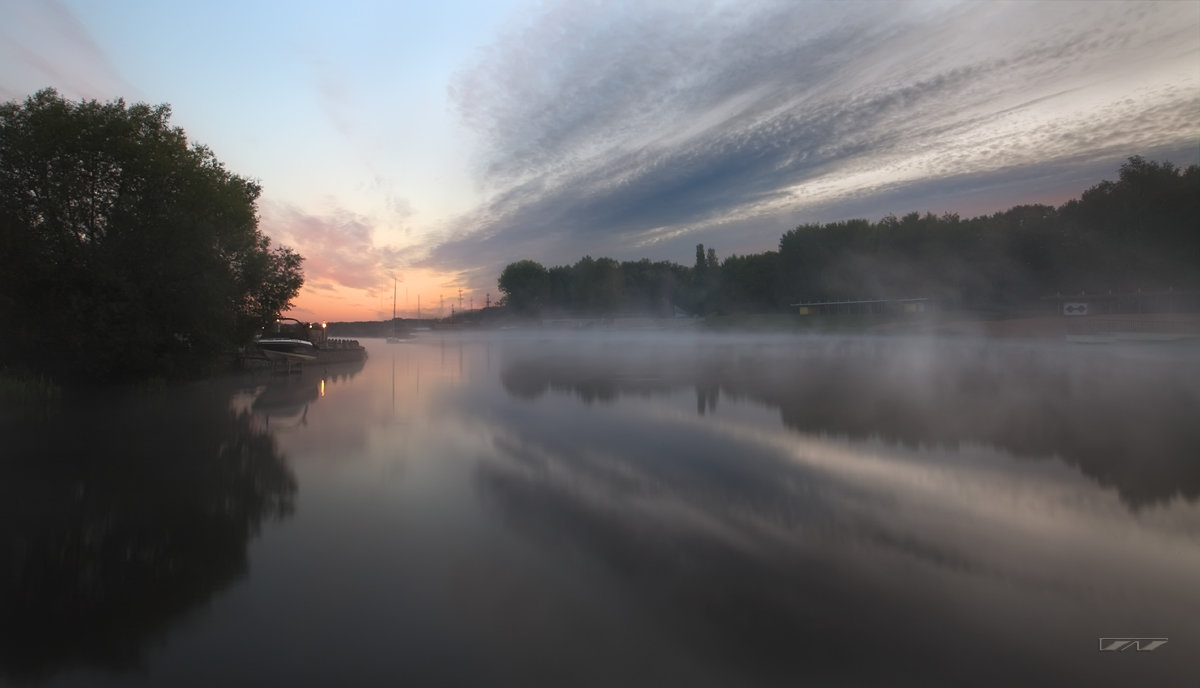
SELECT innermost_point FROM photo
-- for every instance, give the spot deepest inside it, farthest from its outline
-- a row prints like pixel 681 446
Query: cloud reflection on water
pixel 626 509
pixel 888 520
pixel 1123 416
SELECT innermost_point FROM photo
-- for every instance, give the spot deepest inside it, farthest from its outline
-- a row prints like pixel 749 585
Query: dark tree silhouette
pixel 1136 233
pixel 525 285
pixel 125 251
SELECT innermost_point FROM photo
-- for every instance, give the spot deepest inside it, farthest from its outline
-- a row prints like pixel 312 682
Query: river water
pixel 556 508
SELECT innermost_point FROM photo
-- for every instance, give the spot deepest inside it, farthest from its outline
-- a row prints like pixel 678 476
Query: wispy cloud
pixel 45 44
pixel 632 128
pixel 338 246
pixel 609 127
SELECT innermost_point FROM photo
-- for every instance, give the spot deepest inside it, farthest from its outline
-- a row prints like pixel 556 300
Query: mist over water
pixel 604 508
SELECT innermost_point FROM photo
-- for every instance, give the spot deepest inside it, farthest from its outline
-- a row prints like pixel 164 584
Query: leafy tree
pixel 705 277
pixel 750 283
pixel 559 293
pixel 125 251
pixel 1137 232
pixel 653 288
pixel 526 285
pixel 596 285
pixel 270 279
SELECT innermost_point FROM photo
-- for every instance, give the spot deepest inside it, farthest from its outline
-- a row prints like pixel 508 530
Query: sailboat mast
pixel 392 339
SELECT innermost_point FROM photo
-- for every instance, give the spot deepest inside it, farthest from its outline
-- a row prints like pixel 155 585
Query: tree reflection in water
pixel 886 536
pixel 1124 417
pixel 122 515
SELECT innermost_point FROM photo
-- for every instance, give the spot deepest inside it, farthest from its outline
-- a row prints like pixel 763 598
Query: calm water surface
pixel 626 509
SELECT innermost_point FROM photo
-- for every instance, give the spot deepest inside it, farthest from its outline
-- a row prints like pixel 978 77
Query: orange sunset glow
pixel 637 343
pixel 481 138
pixel 433 293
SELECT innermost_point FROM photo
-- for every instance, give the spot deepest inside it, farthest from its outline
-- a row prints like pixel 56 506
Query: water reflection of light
pixel 972 536
pixel 682 500
pixel 1005 519
pixel 242 400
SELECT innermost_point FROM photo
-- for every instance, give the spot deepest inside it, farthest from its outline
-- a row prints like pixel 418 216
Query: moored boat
pixel 287 349
pixel 298 342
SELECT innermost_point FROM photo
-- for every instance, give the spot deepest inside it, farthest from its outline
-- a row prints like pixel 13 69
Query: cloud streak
pixel 37 36
pixel 339 248
pixel 631 128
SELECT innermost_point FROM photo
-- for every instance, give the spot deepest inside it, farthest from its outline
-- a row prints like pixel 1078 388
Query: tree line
pixel 126 252
pixel 1140 232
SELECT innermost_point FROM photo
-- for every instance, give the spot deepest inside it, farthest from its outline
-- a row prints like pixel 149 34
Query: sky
pixel 416 148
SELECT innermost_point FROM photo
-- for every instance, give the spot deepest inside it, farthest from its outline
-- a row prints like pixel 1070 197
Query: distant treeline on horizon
pixel 1141 232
